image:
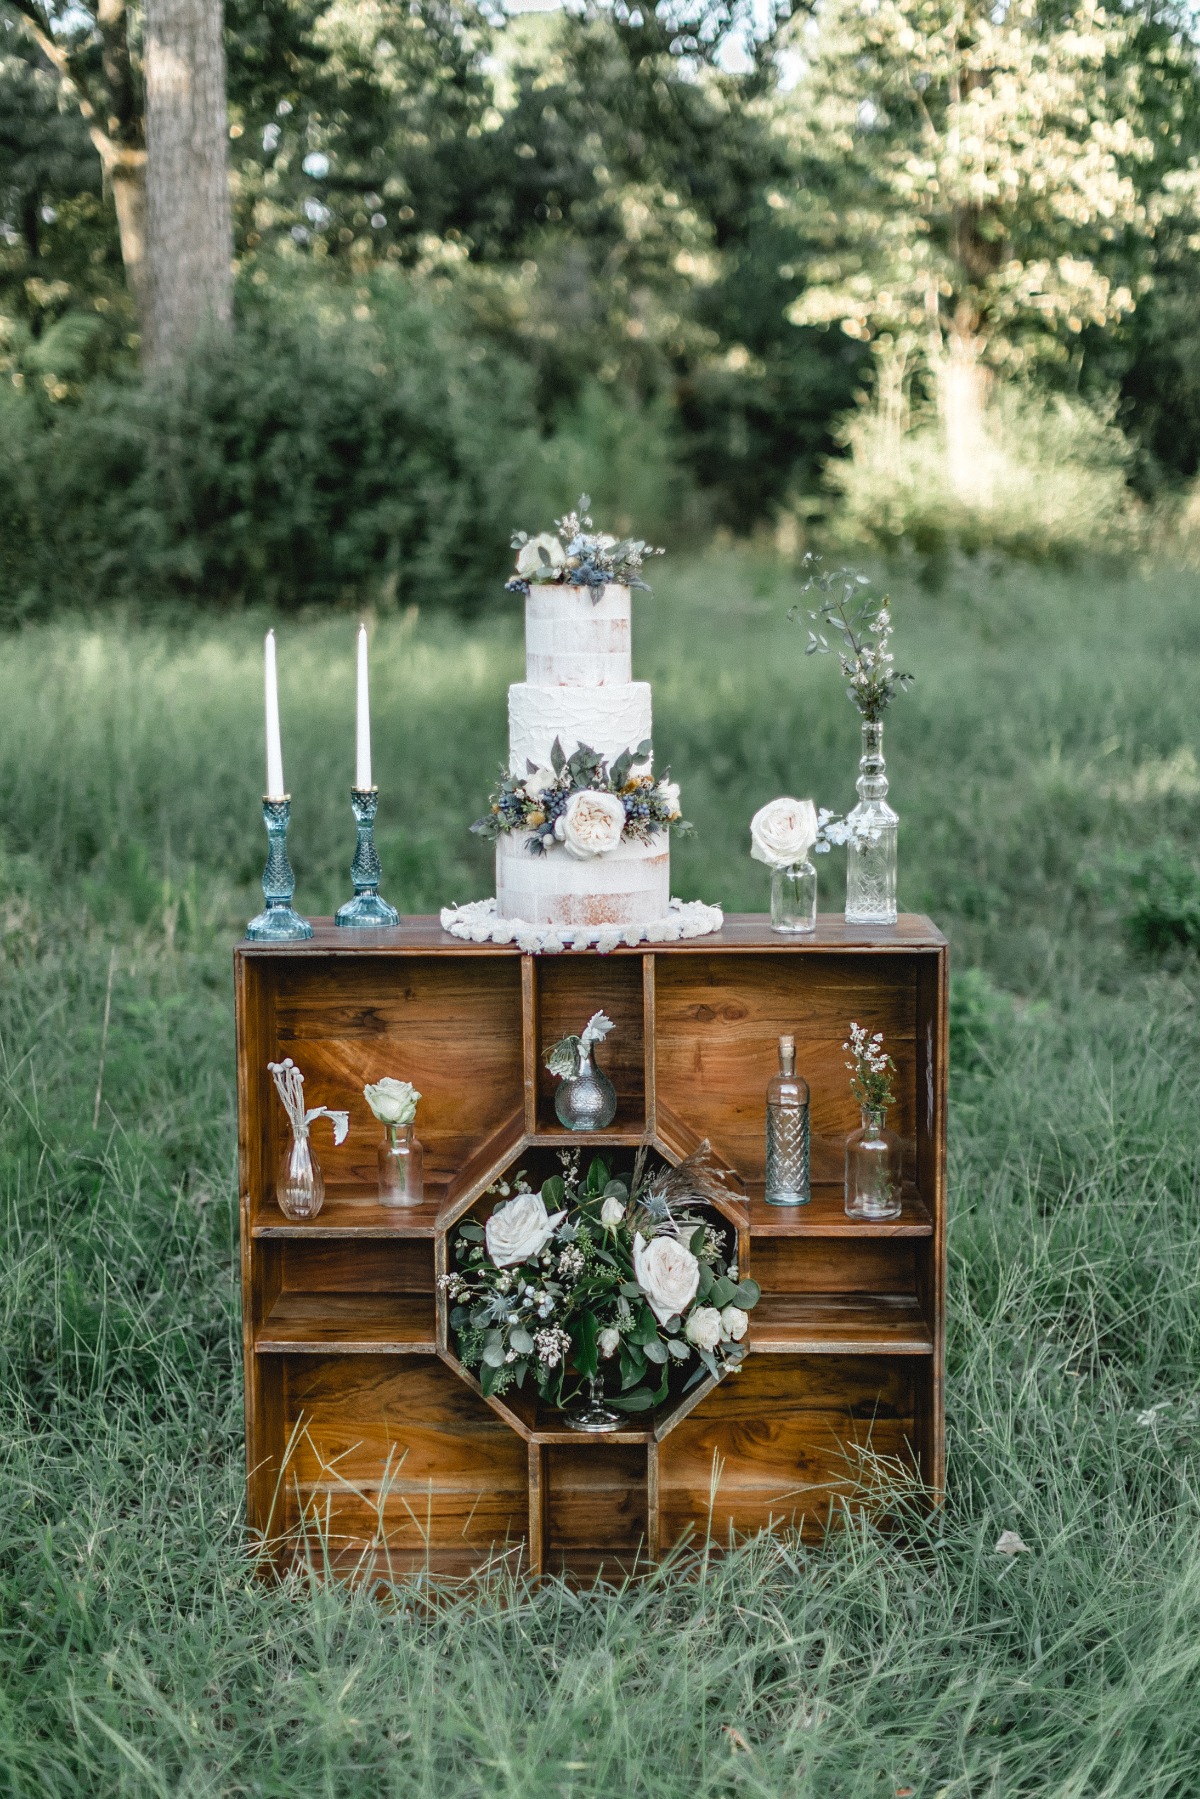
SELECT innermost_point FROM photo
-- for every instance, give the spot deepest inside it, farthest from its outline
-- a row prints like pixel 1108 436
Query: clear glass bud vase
pixel 871 851
pixel 586 1101
pixel 401 1167
pixel 299 1183
pixel 794 899
pixel 873 1168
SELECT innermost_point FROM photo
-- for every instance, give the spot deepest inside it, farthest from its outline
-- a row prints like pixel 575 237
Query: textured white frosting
pixel 575 640
pixel 607 719
pixel 630 885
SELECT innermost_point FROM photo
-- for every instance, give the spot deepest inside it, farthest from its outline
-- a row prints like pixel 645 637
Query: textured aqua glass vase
pixel 279 922
pixel 366 911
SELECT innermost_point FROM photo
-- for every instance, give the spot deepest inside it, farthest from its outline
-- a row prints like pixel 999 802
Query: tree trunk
pixel 963 381
pixel 126 175
pixel 188 229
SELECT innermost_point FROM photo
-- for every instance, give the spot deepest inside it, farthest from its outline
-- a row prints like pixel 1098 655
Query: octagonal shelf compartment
pixel 371 1450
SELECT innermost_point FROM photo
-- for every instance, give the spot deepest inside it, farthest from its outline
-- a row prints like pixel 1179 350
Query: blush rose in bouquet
pixel 619 1283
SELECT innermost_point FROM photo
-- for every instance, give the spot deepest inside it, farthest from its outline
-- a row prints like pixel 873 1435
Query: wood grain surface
pixel 365 1443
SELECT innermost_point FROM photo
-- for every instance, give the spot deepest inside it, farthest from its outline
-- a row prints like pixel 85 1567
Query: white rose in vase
pixel 591 825
pixel 612 1212
pixel 783 832
pixel 540 558
pixel 608 1342
pixel 734 1323
pixel 703 1328
pixel 668 1274
pixel 520 1230
pixel 393 1102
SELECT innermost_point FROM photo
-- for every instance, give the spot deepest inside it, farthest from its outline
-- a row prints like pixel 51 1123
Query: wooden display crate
pixel 363 1432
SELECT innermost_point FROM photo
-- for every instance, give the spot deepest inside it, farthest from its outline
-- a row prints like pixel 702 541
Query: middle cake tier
pixel 608 720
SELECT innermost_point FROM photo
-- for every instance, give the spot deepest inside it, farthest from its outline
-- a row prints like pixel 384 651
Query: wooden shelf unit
pixel 369 1446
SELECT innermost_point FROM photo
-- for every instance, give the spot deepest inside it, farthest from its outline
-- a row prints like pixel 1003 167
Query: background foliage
pixel 709 253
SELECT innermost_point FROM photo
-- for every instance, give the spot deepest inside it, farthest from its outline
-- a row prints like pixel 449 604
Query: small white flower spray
pixel 289 1084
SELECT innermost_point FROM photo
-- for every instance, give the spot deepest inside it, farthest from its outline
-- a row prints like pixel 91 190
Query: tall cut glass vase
pixel 871 851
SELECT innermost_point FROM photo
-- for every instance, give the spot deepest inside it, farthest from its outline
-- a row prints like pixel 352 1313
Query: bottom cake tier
pixel 630 885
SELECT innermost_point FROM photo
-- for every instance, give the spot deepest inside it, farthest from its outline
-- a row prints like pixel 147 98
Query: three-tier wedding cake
pixel 580 821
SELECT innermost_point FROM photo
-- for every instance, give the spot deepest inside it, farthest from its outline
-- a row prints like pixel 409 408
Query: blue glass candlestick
pixel 366 910
pixel 280 923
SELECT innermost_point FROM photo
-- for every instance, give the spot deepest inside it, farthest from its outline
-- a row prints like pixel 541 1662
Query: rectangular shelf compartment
pixel 840 1324
pixel 348 1324
pixel 825 1216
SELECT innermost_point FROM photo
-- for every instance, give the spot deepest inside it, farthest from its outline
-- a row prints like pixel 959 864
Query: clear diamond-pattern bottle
pixel 787 1132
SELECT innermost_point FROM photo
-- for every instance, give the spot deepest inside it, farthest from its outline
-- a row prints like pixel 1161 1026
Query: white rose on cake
pixel 520 1230
pixel 537 783
pixel 591 825
pixel 668 793
pixel 783 832
pixel 668 1274
pixel 540 558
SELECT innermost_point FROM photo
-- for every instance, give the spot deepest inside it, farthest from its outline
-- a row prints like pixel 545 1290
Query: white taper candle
pixel 362 761
pixel 275 787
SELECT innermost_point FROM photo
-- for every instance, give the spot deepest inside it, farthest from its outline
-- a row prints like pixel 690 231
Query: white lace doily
pixel 479 923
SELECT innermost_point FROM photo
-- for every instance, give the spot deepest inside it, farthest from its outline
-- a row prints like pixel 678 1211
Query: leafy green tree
pixel 967 194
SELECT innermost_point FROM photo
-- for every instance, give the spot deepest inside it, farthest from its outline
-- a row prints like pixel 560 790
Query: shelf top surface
pixel 746 931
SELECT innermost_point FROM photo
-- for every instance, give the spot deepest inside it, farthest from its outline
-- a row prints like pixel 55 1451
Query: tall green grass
pixel 1050 741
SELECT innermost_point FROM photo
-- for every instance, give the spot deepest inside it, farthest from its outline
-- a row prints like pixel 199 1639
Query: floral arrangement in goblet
pixel 401 1157
pixel 873 1153
pixel 600 1289
pixel 586 1099
pixel 784 834
pixel 575 554
pixel 583 805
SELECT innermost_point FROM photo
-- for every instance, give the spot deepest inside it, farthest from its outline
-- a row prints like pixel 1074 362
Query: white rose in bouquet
pixel 520 1230
pixel 612 1212
pixel 667 1272
pixel 703 1328
pixel 393 1102
pixel 734 1323
pixel 783 832
pixel 608 1342
pixel 540 558
pixel 591 825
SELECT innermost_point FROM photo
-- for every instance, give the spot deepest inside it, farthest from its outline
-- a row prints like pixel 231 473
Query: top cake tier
pixel 573 639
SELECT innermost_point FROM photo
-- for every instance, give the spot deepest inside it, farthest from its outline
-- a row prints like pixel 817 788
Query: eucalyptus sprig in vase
pixel 862 620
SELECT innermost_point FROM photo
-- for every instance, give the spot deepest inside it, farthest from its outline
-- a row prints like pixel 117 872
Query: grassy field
pixel 1049 744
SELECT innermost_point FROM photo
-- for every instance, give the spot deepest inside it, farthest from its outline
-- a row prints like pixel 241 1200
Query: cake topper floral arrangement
pixel 600 1278
pixel 574 554
pixel 583 804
